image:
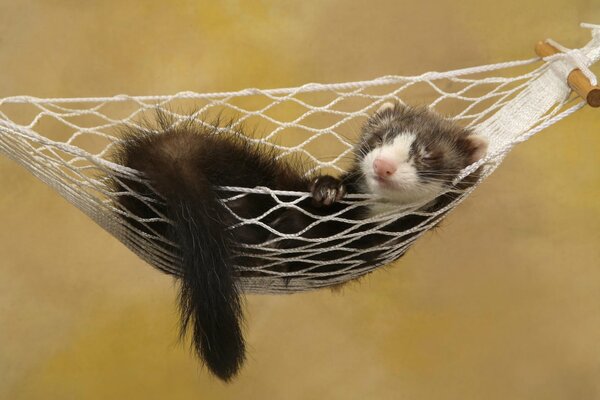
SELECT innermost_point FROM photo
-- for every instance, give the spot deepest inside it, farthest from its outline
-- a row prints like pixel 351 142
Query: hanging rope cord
pixel 67 142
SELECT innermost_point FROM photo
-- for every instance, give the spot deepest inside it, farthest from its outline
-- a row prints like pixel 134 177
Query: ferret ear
pixel 386 106
pixel 477 147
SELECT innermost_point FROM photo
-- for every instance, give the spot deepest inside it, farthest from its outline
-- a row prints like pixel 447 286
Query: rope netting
pixel 67 143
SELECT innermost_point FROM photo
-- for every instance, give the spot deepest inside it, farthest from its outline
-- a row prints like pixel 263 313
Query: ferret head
pixel 409 155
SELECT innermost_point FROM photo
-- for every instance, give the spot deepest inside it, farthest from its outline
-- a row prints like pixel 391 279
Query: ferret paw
pixel 326 190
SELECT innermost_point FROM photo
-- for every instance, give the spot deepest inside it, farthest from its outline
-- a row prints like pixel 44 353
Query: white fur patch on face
pixel 403 186
pixel 399 149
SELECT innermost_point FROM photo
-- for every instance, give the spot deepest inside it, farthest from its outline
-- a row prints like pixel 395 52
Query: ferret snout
pixel 384 168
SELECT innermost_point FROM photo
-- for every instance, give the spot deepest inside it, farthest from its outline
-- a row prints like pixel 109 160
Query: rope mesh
pixel 67 143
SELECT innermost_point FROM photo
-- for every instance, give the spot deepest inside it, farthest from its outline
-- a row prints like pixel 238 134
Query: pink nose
pixel 383 168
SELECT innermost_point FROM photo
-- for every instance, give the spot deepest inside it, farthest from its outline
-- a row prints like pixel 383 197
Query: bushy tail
pixel 210 302
pixel 209 299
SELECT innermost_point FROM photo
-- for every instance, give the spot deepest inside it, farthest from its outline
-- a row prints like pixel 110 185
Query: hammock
pixel 67 143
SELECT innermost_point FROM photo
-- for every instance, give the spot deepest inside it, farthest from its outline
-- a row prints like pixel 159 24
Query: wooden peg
pixel 576 79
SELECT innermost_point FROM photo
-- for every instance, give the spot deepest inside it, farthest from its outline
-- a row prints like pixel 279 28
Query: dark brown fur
pixel 184 164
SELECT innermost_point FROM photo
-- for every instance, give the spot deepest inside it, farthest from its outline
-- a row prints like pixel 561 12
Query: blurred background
pixel 502 302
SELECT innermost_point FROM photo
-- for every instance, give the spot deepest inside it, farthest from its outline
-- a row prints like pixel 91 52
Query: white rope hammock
pixel 67 143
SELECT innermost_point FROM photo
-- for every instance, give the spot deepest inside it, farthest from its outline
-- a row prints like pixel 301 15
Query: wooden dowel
pixel 576 79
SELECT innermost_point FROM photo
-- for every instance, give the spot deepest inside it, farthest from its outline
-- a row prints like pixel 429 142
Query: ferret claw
pixel 326 190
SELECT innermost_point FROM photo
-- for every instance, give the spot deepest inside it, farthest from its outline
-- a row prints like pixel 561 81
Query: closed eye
pixel 379 136
pixel 426 156
pixel 429 156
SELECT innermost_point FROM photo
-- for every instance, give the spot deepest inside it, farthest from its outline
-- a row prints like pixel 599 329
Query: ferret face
pixel 412 155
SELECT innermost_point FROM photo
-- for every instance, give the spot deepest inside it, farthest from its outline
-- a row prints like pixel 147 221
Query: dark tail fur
pixel 209 299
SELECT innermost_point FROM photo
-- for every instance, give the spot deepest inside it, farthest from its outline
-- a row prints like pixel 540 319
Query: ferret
pixel 404 156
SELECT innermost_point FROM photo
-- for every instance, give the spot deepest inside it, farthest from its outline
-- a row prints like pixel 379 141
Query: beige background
pixel 503 302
